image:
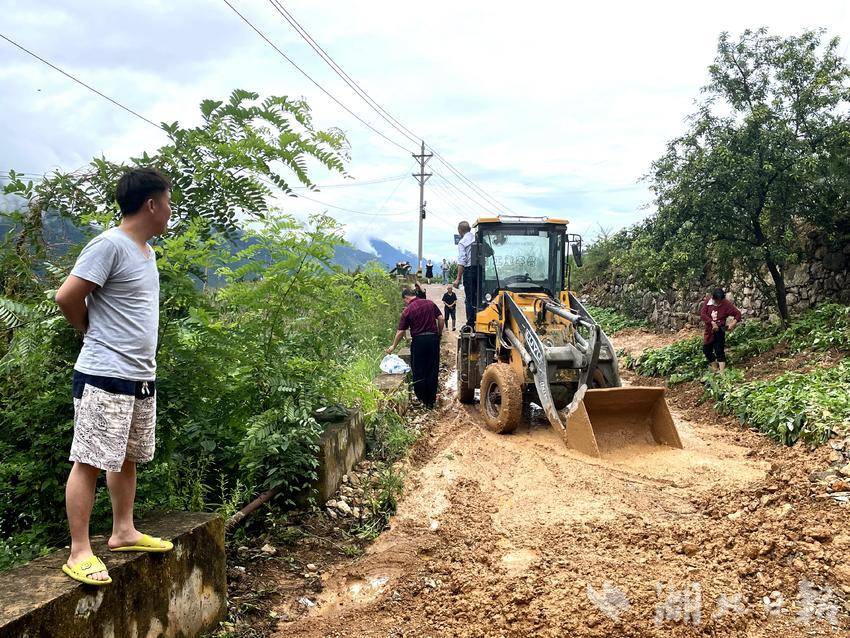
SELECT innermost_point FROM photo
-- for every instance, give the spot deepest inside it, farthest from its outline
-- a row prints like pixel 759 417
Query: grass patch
pixel 611 320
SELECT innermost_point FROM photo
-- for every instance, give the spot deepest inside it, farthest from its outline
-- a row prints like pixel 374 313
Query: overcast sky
pixel 553 108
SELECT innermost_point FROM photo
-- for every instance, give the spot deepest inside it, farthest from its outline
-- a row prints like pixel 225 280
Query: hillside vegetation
pixel 789 406
pixel 242 368
pixel 761 166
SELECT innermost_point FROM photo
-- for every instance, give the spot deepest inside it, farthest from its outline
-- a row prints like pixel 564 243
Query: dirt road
pixel 519 536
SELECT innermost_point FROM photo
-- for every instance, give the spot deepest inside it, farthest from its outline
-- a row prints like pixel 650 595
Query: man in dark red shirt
pixel 425 322
pixel 714 312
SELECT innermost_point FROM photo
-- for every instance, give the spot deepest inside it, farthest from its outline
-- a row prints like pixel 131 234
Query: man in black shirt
pixel 450 301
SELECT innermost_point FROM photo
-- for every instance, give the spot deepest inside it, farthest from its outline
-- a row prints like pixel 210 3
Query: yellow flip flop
pixel 145 543
pixel 85 568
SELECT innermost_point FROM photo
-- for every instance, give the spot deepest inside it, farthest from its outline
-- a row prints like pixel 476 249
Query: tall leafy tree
pixel 764 158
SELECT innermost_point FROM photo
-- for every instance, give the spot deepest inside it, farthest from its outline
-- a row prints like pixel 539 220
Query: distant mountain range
pixel 385 254
pixel 60 233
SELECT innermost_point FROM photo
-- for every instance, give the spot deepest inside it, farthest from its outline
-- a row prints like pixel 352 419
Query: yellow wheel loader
pixel 533 341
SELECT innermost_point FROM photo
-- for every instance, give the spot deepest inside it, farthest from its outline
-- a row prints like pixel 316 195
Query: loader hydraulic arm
pixel 531 347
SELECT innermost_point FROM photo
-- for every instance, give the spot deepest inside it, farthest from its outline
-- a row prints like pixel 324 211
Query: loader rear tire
pixel 501 398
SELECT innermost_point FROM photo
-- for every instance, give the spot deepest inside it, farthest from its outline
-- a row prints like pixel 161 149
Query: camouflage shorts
pixel 114 420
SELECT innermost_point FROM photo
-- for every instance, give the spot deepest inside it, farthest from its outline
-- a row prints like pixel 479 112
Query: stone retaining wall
pixel 823 276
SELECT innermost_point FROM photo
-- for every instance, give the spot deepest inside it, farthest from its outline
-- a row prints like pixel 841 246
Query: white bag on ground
pixel 394 364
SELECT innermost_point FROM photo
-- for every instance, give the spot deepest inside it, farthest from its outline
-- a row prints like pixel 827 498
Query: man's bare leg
pixel 79 500
pixel 122 492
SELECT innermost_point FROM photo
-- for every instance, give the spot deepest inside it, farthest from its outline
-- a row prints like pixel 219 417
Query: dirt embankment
pixel 519 536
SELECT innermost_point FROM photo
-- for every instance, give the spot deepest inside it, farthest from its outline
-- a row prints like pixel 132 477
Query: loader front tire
pixel 501 398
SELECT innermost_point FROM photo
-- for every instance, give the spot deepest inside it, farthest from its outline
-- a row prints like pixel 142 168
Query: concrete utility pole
pixel 421 177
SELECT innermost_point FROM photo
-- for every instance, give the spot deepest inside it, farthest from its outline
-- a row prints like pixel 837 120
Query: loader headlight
pixel 488 297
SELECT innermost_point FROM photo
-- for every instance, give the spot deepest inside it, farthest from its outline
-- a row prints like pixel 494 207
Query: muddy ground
pixel 518 536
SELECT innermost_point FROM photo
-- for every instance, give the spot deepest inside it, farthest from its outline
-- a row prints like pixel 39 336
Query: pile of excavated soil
pixel 518 536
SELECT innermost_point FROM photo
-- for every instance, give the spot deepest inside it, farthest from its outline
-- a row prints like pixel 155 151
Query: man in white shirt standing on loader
pixel 467 271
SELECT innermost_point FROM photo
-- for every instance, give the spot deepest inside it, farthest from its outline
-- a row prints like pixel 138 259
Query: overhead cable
pixel 401 128
pixel 351 210
pixel 392 121
pixel 80 82
pixel 307 75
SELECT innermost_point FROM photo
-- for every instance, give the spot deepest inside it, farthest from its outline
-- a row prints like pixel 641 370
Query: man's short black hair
pixel 137 185
pixel 407 292
pixel 718 294
pixel 464 226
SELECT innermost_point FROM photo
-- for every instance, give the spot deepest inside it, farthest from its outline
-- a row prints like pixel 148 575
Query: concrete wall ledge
pixel 341 446
pixel 180 594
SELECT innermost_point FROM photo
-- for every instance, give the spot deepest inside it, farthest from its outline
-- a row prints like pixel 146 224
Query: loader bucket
pixel 608 419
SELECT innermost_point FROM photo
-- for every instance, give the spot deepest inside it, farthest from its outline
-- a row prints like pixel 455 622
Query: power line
pixel 148 121
pixel 351 210
pixel 272 185
pixel 388 117
pixel 478 203
pixel 81 83
pixel 392 192
pixel 472 184
pixel 444 205
pixel 152 123
pixel 458 204
pixel 392 121
pixel 446 202
pixel 382 180
pixel 307 75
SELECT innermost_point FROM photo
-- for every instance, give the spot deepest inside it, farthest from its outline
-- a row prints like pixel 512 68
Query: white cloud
pixel 552 107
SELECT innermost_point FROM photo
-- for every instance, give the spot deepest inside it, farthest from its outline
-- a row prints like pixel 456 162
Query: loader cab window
pixel 522 259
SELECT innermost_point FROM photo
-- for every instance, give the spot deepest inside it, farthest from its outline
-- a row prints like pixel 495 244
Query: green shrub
pixel 380 501
pixel 794 406
pixel 388 435
pixel 752 338
pixel 611 320
pixel 821 328
pixel 680 361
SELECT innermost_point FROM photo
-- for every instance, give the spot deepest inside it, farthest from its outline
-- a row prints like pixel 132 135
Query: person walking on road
pixel 467 271
pixel 714 312
pixel 422 317
pixel 445 271
pixel 429 270
pixel 450 306
pixel 112 297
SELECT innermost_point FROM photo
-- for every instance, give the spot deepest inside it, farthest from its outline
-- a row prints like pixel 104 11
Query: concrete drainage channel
pixel 180 594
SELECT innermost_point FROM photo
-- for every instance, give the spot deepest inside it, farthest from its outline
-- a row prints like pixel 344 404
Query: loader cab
pixel 520 255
